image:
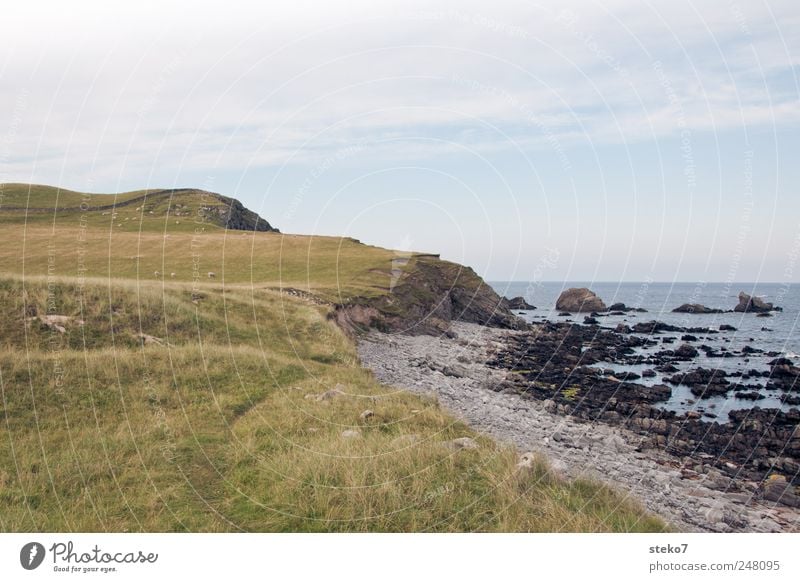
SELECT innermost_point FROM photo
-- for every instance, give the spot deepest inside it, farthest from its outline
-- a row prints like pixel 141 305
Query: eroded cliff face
pixel 237 217
pixel 431 294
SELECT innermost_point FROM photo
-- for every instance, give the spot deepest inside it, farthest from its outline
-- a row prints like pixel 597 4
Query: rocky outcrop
pixel 517 303
pixel 178 202
pixel 703 383
pixel 686 352
pixel 651 327
pixel 784 375
pixel 695 308
pixel 749 304
pixel 528 388
pixel 558 363
pixel 431 295
pixel 237 217
pixel 625 309
pixel 579 300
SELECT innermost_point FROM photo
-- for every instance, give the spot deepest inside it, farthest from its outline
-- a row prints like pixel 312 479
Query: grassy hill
pixel 155 210
pixel 136 401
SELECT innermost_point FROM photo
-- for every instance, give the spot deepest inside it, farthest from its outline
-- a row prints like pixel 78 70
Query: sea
pixel 779 333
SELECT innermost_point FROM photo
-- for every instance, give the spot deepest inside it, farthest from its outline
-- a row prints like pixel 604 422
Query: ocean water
pixel 779 333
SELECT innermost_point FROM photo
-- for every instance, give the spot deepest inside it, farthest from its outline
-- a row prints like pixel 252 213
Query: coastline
pixel 454 371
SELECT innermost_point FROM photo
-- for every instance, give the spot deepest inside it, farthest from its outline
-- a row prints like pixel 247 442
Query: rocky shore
pixel 536 388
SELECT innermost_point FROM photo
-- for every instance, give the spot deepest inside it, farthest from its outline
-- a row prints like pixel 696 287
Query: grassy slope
pixel 210 428
pixel 156 210
pixel 130 243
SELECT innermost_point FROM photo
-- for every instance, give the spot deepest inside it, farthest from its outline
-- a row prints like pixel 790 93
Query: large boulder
pixel 686 352
pixel 695 308
pixel 784 375
pixel 749 304
pixel 579 300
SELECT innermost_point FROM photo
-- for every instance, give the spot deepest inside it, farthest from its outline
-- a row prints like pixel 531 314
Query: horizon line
pixel 642 282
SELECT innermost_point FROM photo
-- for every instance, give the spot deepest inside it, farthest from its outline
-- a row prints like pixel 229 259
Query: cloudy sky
pixel 623 140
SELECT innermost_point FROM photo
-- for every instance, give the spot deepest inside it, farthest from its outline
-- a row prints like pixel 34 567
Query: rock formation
pixel 579 300
pixel 434 293
pixel 625 309
pixel 695 308
pixel 749 304
pixel 517 303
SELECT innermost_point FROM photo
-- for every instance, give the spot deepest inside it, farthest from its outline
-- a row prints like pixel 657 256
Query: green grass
pixel 326 266
pixel 140 211
pixel 213 424
pixel 37 196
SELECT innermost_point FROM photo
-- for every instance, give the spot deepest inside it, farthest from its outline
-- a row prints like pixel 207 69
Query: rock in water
pixel 686 352
pixel 517 303
pixel 695 308
pixel 625 309
pixel 578 300
pixel 748 304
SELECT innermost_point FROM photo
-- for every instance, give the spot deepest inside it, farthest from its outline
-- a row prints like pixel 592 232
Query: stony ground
pixel 691 496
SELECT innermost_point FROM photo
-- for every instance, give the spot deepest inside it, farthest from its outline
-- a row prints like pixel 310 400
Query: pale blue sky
pixel 631 140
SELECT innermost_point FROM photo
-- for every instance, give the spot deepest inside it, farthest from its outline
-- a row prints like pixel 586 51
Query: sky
pixel 623 140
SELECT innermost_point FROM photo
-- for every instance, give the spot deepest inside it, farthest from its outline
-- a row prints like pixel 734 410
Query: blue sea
pixel 779 333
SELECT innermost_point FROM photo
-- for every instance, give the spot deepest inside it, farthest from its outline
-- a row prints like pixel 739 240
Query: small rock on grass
pixel 325 396
pixel 526 461
pixel 462 443
pixel 351 434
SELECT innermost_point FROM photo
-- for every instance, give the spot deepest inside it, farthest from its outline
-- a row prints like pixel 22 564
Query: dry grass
pixel 218 427
pixel 182 405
